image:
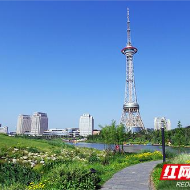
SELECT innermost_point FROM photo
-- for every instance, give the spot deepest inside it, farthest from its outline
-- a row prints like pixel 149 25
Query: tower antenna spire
pixel 128 29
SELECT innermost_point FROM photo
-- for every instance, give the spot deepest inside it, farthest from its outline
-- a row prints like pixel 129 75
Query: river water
pixel 133 148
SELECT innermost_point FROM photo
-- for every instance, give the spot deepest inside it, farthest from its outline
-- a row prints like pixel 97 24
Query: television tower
pixel 130 116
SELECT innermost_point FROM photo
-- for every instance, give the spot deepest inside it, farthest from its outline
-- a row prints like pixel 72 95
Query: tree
pixel 179 136
pixel 113 135
pixel 120 135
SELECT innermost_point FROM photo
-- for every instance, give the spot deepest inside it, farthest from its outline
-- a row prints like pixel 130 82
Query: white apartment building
pixel 86 125
pixel 158 124
pixel 39 123
pixel 3 130
pixel 23 124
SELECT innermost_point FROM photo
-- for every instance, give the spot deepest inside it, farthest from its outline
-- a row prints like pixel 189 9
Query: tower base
pixel 132 121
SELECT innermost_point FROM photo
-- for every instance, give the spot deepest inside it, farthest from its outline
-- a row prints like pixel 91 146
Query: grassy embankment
pixel 169 184
pixel 53 165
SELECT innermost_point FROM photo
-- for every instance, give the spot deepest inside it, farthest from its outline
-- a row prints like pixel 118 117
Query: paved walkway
pixel 134 177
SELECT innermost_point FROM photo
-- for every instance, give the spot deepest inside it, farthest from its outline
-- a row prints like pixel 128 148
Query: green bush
pixel 72 178
pixel 15 186
pixel 52 164
pixel 181 159
pixel 170 154
pixel 3 152
pixel 93 158
pixel 13 173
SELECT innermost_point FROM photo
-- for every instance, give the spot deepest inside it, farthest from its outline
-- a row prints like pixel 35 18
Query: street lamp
pixel 163 140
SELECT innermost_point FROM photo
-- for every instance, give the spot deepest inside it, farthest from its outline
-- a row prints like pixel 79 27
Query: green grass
pixel 6 141
pixel 169 184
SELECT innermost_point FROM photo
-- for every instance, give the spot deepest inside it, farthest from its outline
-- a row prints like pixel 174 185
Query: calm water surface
pixel 132 148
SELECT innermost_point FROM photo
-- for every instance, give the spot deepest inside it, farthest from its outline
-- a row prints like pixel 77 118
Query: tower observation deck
pixel 130 115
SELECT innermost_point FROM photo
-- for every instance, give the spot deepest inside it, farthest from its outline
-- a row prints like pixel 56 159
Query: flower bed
pixel 146 156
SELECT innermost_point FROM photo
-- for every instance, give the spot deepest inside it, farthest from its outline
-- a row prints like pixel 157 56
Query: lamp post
pixel 163 140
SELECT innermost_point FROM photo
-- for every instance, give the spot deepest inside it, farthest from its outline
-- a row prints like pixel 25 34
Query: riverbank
pixel 134 148
pixel 146 143
pixel 47 164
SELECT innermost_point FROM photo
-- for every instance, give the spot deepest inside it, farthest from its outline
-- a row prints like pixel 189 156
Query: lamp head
pixel 162 123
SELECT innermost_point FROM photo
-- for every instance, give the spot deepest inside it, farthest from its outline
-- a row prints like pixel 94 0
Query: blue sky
pixel 64 58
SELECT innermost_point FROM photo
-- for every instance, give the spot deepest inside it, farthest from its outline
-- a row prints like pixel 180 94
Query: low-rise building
pixel 4 130
pixel 69 132
pixel 55 132
pixel 96 132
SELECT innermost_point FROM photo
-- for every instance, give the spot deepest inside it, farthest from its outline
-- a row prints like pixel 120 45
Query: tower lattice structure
pixel 130 116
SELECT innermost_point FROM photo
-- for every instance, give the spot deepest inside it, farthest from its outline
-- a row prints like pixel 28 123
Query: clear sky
pixel 64 59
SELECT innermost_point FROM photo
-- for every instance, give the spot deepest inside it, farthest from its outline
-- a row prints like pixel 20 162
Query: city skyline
pixel 64 59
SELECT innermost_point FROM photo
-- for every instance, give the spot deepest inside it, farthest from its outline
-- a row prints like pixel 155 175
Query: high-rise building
pixel 23 124
pixel 130 116
pixel 3 130
pixel 86 125
pixel 39 123
pixel 158 123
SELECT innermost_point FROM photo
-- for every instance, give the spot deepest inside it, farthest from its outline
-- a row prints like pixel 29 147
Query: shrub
pixel 3 152
pixel 13 173
pixel 71 178
pixel 181 159
pixel 93 158
pixel 15 186
pixel 170 154
pixel 156 155
pixel 52 164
